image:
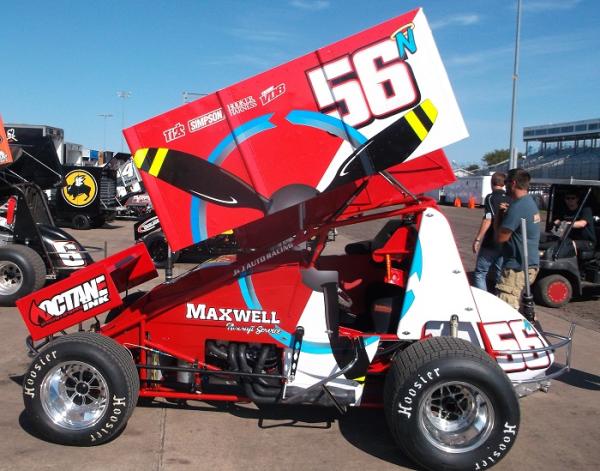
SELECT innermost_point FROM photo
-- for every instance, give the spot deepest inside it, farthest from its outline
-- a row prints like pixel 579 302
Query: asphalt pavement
pixel 559 430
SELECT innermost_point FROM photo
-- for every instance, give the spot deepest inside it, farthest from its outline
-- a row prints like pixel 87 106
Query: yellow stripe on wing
pixel 430 110
pixel 416 125
pixel 138 158
pixel 159 158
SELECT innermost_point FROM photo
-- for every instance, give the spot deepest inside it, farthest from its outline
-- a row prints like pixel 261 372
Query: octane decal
pixel 80 189
pixel 516 335
pixel 82 297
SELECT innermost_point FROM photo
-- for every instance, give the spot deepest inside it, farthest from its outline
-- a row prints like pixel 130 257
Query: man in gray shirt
pixel 508 224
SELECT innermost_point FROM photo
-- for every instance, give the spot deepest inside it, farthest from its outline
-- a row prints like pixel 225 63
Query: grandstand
pixel 559 151
pixel 563 151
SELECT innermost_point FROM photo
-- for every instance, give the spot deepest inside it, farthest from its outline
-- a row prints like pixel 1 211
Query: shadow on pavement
pixel 581 379
pixel 366 429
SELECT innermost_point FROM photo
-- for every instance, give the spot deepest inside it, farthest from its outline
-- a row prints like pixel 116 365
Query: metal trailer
pixel 465 188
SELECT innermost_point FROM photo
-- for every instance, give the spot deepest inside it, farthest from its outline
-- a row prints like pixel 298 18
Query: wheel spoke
pixel 456 417
pixel 74 395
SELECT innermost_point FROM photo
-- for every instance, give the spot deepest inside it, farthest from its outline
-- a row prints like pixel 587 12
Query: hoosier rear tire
pixel 80 389
pixel 450 406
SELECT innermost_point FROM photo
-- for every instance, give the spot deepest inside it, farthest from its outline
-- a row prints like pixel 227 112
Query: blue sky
pixel 64 61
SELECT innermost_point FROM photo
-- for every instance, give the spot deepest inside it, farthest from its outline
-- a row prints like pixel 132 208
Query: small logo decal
pixel 81 188
pixel 268 95
pixel 205 120
pixel 242 105
pixel 176 132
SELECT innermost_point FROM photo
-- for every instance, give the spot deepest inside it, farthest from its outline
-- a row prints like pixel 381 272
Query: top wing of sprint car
pixel 370 102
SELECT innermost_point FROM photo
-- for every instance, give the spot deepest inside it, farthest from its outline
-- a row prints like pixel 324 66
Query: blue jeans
pixel 485 259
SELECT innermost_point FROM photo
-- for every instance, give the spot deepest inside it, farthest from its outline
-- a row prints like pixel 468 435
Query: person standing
pixel 489 252
pixel 508 224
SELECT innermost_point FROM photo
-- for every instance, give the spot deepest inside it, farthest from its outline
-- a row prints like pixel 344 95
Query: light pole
pixel 186 95
pixel 105 116
pixel 123 95
pixel 512 163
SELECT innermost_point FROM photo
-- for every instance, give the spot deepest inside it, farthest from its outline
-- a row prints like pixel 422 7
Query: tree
pixel 498 155
pixel 472 168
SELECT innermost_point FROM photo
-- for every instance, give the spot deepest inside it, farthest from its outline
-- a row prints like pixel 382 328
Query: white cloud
pixel 538 6
pixel 465 19
pixel 313 5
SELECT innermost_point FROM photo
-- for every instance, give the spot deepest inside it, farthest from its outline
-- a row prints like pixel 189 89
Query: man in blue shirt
pixel 508 224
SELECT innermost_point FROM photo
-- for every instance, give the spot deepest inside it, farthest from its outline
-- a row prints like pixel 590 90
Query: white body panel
pixel 438 288
pixel 316 360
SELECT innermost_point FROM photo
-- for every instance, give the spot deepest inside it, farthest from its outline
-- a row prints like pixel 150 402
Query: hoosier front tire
pixel 450 406
pixel 80 389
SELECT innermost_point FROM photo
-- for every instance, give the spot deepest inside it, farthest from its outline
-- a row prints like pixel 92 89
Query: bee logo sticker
pixel 81 188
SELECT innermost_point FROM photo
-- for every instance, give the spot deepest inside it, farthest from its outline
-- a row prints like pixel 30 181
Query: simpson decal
pixel 201 122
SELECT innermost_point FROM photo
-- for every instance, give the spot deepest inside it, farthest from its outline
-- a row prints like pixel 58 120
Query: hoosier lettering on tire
pixel 81 389
pixel 450 406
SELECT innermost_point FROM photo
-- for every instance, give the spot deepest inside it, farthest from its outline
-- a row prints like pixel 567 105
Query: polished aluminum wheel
pixel 11 278
pixel 74 395
pixel 456 417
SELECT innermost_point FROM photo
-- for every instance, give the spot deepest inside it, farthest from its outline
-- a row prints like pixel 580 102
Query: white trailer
pixel 465 187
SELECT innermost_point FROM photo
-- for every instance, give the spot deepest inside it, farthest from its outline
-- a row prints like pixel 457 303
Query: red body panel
pixel 86 293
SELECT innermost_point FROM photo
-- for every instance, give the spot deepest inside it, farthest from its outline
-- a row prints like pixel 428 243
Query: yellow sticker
pixel 81 188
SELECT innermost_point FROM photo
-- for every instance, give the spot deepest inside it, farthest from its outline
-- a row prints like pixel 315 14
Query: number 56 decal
pixel 515 335
pixel 373 82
